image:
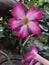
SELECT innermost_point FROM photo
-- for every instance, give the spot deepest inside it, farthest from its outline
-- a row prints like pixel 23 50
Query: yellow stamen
pixel 25 20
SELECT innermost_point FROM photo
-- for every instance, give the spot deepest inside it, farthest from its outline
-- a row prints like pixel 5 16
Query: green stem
pixel 27 40
pixel 20 42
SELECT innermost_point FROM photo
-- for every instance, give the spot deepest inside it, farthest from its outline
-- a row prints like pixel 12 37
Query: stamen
pixel 25 20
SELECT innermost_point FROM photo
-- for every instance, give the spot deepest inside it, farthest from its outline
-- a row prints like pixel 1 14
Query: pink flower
pixel 29 57
pixel 25 20
pixel 32 56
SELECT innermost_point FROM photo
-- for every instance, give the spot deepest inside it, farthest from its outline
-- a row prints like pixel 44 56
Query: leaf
pixel 1 34
pixel 43 24
pixel 30 3
pixel 42 38
pixel 1 31
pixel 44 28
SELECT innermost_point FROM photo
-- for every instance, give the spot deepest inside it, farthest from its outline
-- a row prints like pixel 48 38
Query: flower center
pixel 25 20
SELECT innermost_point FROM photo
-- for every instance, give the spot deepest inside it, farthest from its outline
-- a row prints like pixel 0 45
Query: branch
pixel 6 56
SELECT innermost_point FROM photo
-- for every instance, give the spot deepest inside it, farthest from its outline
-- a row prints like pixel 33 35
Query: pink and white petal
pixel 31 54
pixel 28 56
pixel 23 32
pixel 34 13
pixel 33 49
pixel 34 27
pixel 19 10
pixel 27 59
pixel 14 24
pixel 32 62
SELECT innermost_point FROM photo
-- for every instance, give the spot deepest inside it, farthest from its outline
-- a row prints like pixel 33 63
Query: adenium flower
pixel 29 56
pixel 25 20
pixel 32 57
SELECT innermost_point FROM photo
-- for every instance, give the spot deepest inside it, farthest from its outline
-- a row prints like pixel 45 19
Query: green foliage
pixel 42 38
pixel 1 31
pixel 29 4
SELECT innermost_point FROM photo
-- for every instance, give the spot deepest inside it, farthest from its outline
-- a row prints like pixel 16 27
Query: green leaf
pixel 1 31
pixel 42 38
pixel 43 24
pixel 30 3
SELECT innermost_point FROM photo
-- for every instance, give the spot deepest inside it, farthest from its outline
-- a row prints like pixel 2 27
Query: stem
pixel 20 42
pixel 41 59
pixel 26 40
pixel 6 56
pixel 21 47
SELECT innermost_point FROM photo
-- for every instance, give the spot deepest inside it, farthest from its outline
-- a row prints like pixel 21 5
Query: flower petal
pixel 34 27
pixel 32 62
pixel 14 24
pixel 23 32
pixel 23 64
pixel 18 10
pixel 33 49
pixel 29 56
pixel 27 59
pixel 34 13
